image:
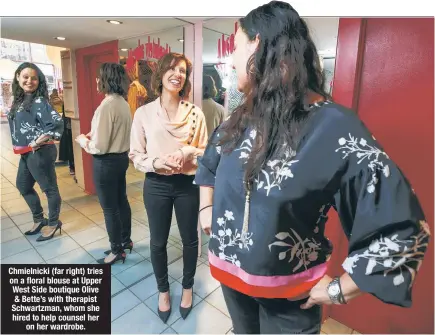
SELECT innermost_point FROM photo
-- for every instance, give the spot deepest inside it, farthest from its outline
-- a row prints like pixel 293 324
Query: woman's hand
pixel 319 293
pixel 82 140
pixel 35 146
pixel 165 166
pixel 176 156
pixel 205 218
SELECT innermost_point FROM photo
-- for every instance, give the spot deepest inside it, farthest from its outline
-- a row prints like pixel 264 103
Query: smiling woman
pixel 168 135
pixel 34 124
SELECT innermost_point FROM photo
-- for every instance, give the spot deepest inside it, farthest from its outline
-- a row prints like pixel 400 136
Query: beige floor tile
pixel 12 204
pixel 6 223
pixel 11 196
pixel 70 216
pixel 8 190
pixel 82 201
pixel 76 226
pixel 21 219
pixel 91 209
pixel 97 218
pixel 136 206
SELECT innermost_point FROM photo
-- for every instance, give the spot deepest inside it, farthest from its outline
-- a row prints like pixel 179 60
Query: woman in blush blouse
pixel 167 136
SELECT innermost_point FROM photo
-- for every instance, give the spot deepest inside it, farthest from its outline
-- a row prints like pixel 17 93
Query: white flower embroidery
pixel 363 151
pixel 276 170
pixel 305 250
pixel 218 149
pixel 27 127
pixel 227 238
pixel 391 254
pixel 14 132
pixel 38 100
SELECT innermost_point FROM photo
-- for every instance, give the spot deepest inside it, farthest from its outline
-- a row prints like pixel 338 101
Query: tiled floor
pixel 83 240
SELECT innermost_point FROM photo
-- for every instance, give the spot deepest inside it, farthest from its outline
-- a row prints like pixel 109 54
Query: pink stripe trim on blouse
pixel 311 274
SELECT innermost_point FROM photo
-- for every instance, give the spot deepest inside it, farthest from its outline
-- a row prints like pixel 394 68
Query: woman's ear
pixel 257 40
pixel 253 45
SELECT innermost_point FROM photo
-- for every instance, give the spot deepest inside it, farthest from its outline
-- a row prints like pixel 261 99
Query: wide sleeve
pixel 101 132
pixel 138 144
pixel 50 120
pixel 208 162
pixel 382 218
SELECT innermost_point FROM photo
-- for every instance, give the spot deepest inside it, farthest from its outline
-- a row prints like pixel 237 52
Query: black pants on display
pixel 270 316
pixel 39 167
pixel 161 195
pixel 109 178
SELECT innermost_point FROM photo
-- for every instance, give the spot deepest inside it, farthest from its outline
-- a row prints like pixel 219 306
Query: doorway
pixel 88 61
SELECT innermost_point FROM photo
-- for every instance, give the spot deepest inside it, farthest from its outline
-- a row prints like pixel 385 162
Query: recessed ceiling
pixel 80 32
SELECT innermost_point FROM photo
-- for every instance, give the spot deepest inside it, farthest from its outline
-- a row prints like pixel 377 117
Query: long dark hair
pixel 20 98
pixel 282 71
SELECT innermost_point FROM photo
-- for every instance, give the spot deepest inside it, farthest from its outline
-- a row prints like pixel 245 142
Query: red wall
pixel 388 78
pixel 85 57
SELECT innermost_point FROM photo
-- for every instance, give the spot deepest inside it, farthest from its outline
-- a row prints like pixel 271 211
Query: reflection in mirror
pixel 139 55
pixel 218 39
pixel 217 50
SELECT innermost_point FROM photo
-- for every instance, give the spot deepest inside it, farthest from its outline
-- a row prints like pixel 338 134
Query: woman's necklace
pixel 166 111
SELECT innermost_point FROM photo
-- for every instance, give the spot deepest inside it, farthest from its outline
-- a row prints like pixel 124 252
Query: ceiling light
pixel 60 38
pixel 124 49
pixel 114 22
pixel 180 40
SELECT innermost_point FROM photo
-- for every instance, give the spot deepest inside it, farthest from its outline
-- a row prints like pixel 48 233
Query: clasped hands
pixel 169 164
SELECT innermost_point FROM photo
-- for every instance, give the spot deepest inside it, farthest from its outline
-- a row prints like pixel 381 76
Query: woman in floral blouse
pixel 34 124
pixel 273 170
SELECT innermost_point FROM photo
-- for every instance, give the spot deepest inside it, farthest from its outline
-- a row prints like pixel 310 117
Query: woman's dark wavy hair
pixel 164 64
pixel 284 68
pixel 113 79
pixel 22 99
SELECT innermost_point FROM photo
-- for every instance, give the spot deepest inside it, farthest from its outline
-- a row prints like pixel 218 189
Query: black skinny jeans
pixel 270 316
pixel 39 167
pixel 109 178
pixel 161 195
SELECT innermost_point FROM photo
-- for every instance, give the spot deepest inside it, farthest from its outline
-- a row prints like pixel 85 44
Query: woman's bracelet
pixel 182 155
pixel 204 208
pixel 154 160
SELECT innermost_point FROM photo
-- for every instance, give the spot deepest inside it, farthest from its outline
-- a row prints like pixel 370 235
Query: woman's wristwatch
pixel 335 293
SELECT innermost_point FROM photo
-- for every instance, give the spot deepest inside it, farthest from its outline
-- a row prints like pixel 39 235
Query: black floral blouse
pixel 41 119
pixel 282 251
